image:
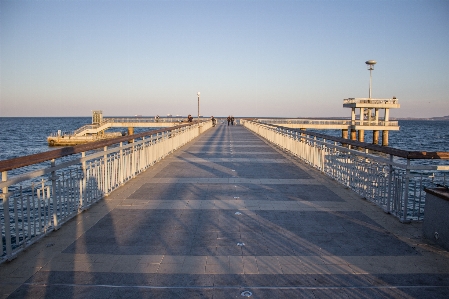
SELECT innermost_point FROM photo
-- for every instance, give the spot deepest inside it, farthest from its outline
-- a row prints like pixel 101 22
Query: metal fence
pixel 370 101
pixel 108 122
pixel 386 177
pixel 41 198
pixel 322 122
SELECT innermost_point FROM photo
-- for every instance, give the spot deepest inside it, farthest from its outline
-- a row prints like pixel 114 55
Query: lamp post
pixel 370 64
pixel 198 94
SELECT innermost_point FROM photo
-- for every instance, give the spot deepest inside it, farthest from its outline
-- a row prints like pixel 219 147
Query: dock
pixel 369 120
pixel 98 129
pixel 229 215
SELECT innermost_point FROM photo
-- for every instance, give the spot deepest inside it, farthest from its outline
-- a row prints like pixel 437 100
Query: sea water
pixel 22 136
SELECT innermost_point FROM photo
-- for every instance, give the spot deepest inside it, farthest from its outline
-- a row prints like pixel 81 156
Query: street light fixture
pixel 198 94
pixel 370 64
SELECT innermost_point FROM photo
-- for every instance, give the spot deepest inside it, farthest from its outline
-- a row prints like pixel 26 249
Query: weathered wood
pixel 429 155
pixel 18 162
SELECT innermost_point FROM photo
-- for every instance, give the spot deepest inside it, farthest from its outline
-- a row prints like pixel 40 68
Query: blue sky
pixel 247 58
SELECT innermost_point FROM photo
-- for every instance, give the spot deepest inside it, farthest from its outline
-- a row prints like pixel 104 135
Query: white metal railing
pixel 322 122
pixel 142 119
pixel 39 200
pixel 392 182
pixel 370 101
pixel 109 121
pixel 61 133
pixel 85 128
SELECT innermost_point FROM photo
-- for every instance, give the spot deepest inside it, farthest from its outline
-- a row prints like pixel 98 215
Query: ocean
pixel 21 136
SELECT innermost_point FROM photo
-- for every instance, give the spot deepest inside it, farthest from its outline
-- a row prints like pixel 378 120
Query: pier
pixel 98 129
pixel 225 212
pixel 369 120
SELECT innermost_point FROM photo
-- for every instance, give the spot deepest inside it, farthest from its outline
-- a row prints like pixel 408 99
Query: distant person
pixel 156 118
pixel 229 119
pixel 232 120
pixel 189 118
pixel 214 121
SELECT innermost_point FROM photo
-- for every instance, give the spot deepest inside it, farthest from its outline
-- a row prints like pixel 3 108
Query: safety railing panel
pixel 108 122
pixel 370 101
pixel 322 122
pixel 38 201
pixel 85 128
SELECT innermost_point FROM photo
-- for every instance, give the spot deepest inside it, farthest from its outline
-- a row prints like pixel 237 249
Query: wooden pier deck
pixel 229 216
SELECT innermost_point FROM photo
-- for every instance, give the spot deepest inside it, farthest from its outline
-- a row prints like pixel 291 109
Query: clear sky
pixel 247 58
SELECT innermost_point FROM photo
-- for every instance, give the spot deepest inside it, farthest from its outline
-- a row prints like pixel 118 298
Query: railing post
pixel 390 184
pixel 5 195
pixel 53 179
pixel 121 164
pixel 144 154
pixel 105 172
pixel 407 183
pixel 83 182
pixel 323 156
pixel 133 161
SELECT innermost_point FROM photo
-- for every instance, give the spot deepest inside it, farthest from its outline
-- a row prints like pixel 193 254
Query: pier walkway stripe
pixel 230 216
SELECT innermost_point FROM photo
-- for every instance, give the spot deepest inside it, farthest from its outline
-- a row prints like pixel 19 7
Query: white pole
pixel 370 83
pixel 198 106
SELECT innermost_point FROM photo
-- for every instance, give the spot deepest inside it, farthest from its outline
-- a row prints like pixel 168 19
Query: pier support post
pixel 385 132
pixel 384 138
pixel 303 134
pixel 353 134
pixel 344 135
pixel 375 137
pixel 362 135
pixel 130 132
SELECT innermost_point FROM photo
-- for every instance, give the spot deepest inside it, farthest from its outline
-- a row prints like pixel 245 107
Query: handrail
pixel 413 155
pixel 111 120
pixel 370 101
pixel 141 120
pixel 85 127
pixel 18 162
pixel 343 122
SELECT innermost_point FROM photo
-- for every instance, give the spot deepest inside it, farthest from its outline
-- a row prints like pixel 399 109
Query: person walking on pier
pixel 232 120
pixel 189 118
pixel 229 119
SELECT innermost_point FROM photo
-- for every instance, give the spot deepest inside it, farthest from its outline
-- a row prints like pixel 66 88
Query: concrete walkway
pixel 228 216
